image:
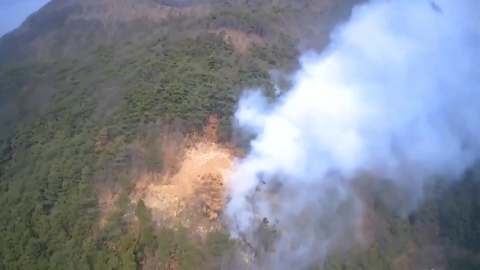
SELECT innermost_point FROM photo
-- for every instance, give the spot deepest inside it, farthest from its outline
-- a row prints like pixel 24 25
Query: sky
pixel 14 12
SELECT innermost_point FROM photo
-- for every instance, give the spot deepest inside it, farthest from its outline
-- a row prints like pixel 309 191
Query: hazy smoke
pixel 395 94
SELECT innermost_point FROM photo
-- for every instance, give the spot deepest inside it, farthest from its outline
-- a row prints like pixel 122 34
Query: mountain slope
pixel 96 96
pixel 82 80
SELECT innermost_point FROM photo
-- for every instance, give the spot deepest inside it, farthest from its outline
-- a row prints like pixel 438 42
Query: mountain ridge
pixel 68 27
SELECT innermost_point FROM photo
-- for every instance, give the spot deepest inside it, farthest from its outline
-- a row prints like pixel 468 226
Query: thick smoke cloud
pixel 395 94
pixel 14 12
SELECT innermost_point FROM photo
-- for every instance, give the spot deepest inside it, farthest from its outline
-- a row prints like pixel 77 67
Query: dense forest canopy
pixel 95 95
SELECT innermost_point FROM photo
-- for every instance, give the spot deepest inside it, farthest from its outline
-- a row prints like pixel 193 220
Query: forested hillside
pixel 93 92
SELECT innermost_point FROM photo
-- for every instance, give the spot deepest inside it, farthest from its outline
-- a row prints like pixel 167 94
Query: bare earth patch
pixel 193 196
pixel 240 40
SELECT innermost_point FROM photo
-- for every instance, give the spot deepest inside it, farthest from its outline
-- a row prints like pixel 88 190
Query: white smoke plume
pixel 395 94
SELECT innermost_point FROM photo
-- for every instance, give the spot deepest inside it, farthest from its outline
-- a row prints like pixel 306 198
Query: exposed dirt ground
pixel 198 185
pixel 190 188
